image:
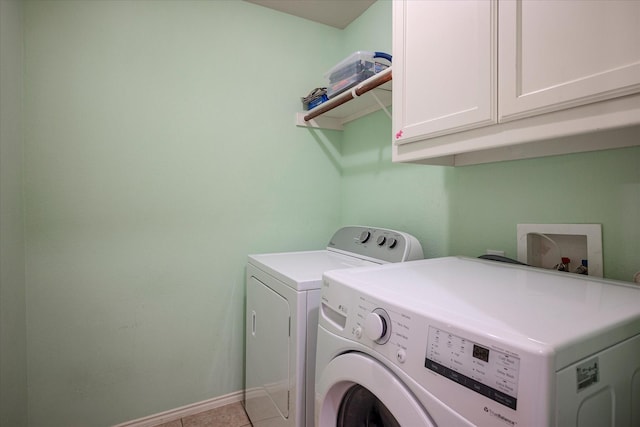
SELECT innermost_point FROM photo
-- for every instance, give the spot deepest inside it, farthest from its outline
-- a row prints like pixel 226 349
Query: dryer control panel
pixel 376 244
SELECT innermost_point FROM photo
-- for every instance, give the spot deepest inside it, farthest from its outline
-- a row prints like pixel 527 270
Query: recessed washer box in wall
pixel 544 245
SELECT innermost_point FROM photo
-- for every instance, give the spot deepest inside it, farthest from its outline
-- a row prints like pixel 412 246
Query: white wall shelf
pixel 367 97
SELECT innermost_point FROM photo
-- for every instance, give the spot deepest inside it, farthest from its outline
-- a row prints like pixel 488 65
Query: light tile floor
pixel 232 415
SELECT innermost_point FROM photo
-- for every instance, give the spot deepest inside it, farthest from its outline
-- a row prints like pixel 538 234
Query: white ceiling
pixel 336 13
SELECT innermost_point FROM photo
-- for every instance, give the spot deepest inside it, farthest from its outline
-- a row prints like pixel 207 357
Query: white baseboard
pixel 184 411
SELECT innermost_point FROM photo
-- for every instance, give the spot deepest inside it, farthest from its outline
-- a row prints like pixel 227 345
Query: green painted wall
pixel 467 210
pixel 13 362
pixel 375 191
pixel 160 151
pixel 413 198
pixel 603 188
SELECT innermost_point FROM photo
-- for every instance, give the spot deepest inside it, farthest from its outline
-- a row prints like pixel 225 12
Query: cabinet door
pixel 560 54
pixel 444 67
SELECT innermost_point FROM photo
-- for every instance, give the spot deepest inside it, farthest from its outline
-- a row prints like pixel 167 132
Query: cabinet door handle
pixel 253 323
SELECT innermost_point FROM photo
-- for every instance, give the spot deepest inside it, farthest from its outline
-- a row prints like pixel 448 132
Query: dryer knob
pixel 376 326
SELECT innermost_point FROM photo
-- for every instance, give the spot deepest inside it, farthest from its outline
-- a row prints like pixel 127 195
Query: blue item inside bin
pixel 317 101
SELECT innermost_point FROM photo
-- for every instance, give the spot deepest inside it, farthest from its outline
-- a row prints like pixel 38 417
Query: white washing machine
pixel 283 296
pixel 465 342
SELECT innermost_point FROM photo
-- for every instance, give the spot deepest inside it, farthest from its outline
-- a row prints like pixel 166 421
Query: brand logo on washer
pixel 499 416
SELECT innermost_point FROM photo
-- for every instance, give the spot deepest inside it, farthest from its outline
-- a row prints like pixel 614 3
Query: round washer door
pixel 357 390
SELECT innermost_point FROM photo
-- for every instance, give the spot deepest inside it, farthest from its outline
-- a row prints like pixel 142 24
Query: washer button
pixel 401 355
pixel 358 332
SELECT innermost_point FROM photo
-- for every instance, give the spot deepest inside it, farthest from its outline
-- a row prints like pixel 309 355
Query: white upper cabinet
pixel 444 67
pixel 561 54
pixel 489 80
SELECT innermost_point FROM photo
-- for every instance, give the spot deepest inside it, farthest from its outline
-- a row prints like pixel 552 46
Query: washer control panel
pixel 490 372
pixel 364 320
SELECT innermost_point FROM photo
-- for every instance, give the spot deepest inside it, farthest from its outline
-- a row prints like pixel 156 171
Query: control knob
pixel 377 326
pixel 364 236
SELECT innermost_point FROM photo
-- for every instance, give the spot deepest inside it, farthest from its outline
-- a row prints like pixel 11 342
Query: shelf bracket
pixel 382 106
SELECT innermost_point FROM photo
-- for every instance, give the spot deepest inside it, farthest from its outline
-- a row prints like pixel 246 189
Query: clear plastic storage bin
pixel 356 68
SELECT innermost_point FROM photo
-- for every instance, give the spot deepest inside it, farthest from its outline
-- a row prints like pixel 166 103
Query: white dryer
pixel 283 296
pixel 465 342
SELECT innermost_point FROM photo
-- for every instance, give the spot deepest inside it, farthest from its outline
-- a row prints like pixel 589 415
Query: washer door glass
pixel 360 407
pixel 356 390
